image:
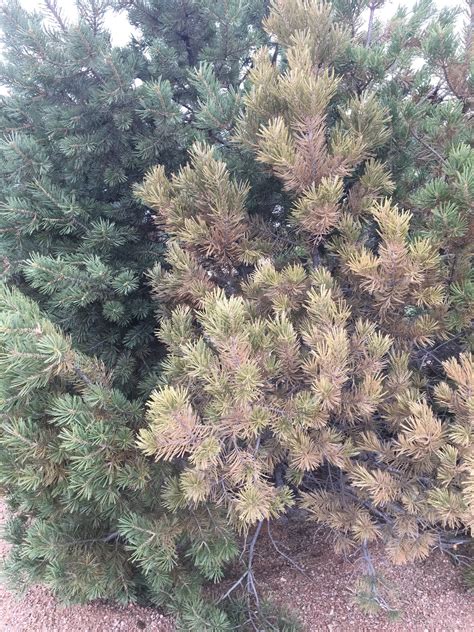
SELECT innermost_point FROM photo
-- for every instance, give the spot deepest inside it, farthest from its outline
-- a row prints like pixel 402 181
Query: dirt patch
pixel 39 612
pixel 429 595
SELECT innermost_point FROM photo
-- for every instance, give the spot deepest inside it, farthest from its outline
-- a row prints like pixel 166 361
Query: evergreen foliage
pixel 434 143
pixel 300 366
pixel 307 270
pixel 80 123
pixel 90 518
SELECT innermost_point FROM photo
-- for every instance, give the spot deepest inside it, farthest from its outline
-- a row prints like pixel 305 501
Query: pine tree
pixel 293 376
pixel 81 122
pixel 302 277
pixel 434 142
pixel 90 519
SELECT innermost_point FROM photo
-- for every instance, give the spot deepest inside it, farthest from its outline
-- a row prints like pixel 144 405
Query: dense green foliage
pixel 80 123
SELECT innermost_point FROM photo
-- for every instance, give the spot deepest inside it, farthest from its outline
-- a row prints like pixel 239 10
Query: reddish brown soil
pixel 429 595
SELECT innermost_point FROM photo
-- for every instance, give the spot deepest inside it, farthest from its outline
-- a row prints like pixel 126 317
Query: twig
pixel 250 575
pixel 108 538
pixel 368 559
pixel 233 587
pixel 430 148
pixel 286 557
pixel 251 588
pixel 374 592
pixel 80 374
pixel 368 39
pixel 275 55
pixel 431 352
pixel 56 13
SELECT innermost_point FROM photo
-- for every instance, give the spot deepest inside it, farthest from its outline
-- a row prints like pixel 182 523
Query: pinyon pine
pixel 294 374
pixel 81 121
pixel 302 250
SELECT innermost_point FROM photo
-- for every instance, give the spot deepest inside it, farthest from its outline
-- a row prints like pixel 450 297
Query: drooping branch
pixel 249 573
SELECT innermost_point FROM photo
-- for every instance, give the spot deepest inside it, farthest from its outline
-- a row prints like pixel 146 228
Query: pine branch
pixel 430 148
pixel 248 574
pixel 53 8
pixel 368 39
pixel 82 376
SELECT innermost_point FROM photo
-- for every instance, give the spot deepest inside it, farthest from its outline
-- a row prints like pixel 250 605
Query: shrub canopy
pixel 301 246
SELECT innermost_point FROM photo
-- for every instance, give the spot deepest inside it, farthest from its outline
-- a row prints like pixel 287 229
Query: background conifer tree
pixel 434 159
pixel 80 123
pixel 90 519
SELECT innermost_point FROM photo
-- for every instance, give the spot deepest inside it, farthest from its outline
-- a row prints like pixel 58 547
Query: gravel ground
pixel 39 612
pixel 429 595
